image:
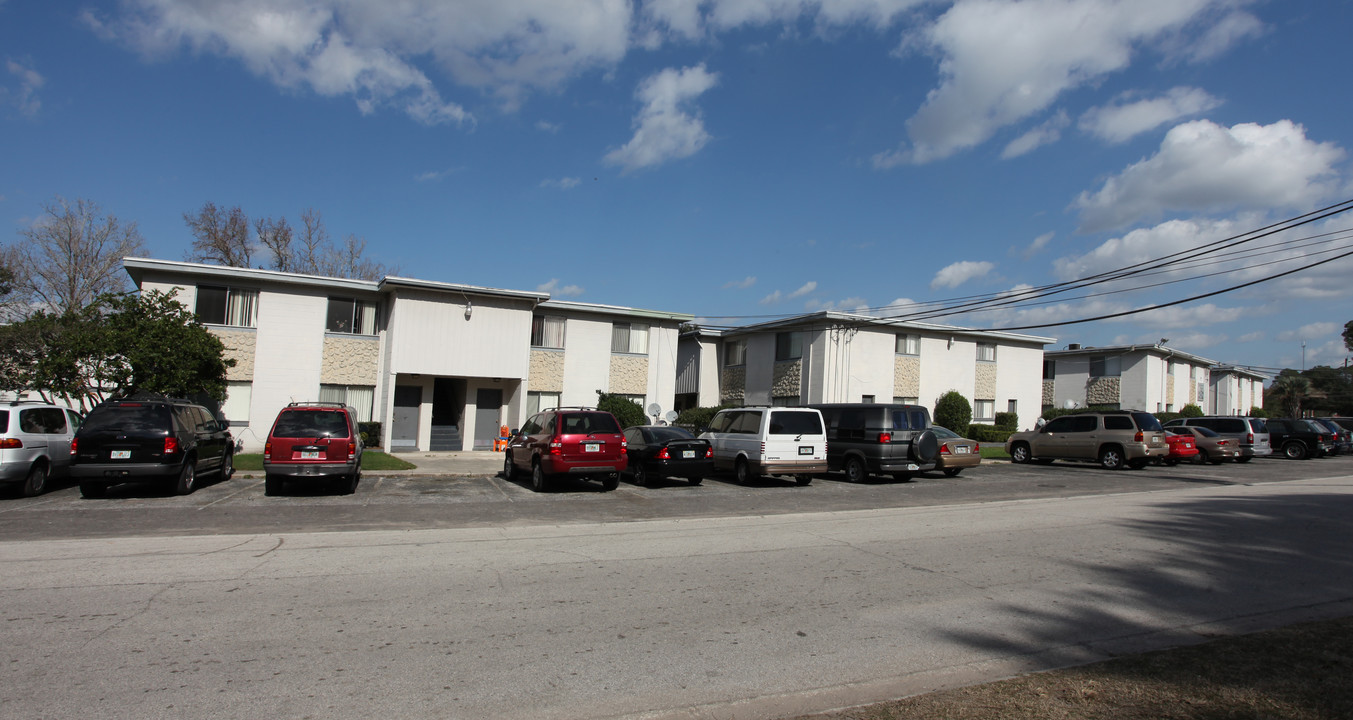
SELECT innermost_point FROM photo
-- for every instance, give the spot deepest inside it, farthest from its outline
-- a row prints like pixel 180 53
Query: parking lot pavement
pixel 469 492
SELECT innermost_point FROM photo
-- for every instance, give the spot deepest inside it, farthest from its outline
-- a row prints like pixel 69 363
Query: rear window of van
pixel 795 422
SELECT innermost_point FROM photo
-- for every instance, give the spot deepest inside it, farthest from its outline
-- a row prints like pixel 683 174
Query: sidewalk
pixel 460 462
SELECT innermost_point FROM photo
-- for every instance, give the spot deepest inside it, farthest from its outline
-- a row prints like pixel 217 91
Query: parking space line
pixel 231 495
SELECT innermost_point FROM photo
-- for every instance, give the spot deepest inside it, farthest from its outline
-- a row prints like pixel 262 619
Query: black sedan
pixel 662 451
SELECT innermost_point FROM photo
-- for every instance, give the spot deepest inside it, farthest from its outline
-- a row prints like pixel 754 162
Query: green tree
pixel 1348 335
pixel 1287 393
pixel 1190 410
pixel 624 409
pixel 953 411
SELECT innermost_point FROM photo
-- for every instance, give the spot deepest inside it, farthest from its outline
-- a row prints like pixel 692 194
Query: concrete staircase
pixel 445 438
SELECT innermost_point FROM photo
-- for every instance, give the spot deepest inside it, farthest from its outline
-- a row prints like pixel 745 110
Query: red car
pixel 1182 446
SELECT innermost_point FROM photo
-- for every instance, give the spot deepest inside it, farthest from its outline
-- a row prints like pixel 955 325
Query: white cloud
pixel 25 96
pixel 772 298
pixel 960 272
pixel 1038 245
pixel 1001 61
pixel 1313 331
pixel 566 183
pixel 1204 167
pixel 1045 134
pixel 552 287
pixel 850 304
pixel 436 175
pixel 665 129
pixel 1188 316
pixel 548 127
pixel 804 289
pixel 1255 336
pixel 1122 120
pixel 742 284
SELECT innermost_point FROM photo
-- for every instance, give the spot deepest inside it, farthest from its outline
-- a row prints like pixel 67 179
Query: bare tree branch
pixel 276 236
pixel 221 237
pixel 73 255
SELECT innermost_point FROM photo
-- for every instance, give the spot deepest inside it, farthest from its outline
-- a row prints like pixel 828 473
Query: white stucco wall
pixel 431 336
pixel 587 360
pixel 288 358
pixel 1019 377
pixel 945 368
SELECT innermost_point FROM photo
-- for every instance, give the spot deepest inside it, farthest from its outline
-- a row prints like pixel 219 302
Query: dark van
pixel 866 439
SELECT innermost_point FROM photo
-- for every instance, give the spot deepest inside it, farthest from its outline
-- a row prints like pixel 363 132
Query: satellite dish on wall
pixel 654 409
pixel 671 416
pixel 1071 404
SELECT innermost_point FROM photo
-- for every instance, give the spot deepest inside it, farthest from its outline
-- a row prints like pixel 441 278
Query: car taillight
pixel 352 448
pixel 1249 439
pixel 944 449
pixel 171 445
pixel 1140 436
pixel 1223 442
pixel 976 447
pixel 709 452
pixel 556 447
pixel 11 444
pixel 885 438
pixel 663 455
pixel 625 446
pixel 73 444
pixel 267 450
pixel 763 449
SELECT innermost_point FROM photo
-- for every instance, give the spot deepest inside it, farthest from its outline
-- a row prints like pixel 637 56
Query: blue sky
pixel 735 159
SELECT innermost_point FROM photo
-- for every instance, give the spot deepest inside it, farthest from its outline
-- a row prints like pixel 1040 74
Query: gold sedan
pixel 956 452
pixel 1212 448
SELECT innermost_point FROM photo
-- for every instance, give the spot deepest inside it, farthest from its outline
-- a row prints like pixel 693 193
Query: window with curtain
pixel 547 331
pixel 629 338
pixel 361 397
pixel 349 315
pixel 1105 366
pixel 986 352
pixel 235 409
pixel 537 401
pixel 735 352
pixel 227 306
pixel 908 344
pixel 984 410
pixel 788 345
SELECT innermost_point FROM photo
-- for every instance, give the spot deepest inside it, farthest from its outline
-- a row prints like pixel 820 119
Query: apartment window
pixel 235 409
pixel 984 410
pixel 869 399
pixel 227 306
pixel 788 345
pixel 1049 369
pixel 629 338
pixel 537 401
pixel 986 352
pixel 908 344
pixel 347 315
pixel 360 397
pixel 1012 406
pixel 1106 366
pixel 735 352
pixel 547 331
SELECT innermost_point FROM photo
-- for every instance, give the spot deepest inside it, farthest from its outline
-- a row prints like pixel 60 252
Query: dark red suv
pixel 579 442
pixel 313 441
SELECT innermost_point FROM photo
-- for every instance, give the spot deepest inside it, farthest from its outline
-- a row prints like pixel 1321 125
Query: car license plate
pixel 121 455
pixel 309 454
pixel 687 454
pixel 961 450
pixel 805 449
pixel 591 447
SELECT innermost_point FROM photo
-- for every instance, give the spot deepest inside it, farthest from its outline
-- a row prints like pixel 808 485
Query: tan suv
pixel 1113 438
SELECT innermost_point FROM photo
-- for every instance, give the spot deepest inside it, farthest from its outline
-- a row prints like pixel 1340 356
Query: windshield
pixel 1146 421
pixel 663 434
pixel 311 423
pixel 943 432
pixel 131 418
pixel 795 422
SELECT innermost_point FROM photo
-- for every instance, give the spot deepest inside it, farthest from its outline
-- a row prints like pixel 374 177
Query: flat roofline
pixel 138 267
pixel 830 316
pixel 616 310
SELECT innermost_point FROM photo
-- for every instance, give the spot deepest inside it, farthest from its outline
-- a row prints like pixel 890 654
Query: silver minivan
pixel 757 441
pixel 35 444
pixel 1250 433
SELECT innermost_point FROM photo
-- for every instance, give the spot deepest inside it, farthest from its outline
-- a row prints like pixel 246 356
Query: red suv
pixel 310 441
pixel 581 442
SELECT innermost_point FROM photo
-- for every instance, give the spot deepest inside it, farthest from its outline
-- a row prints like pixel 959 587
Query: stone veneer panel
pixel 1049 393
pixel 1169 388
pixel 907 376
pixel 1102 391
pixel 733 385
pixel 984 382
pixel 629 375
pixel 787 379
pixel 240 346
pixel 547 371
pixel 349 361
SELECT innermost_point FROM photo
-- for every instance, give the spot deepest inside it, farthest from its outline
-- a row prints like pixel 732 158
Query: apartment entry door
pixel 488 417
pixel 404 418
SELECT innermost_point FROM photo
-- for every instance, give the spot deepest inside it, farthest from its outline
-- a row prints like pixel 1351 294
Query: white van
pixel 756 441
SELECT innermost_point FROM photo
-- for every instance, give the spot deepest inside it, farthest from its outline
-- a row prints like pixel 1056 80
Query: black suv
pixel 866 439
pixel 149 436
pixel 1298 438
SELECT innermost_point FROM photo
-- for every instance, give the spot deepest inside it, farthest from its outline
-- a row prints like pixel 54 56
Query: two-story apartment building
pixel 1154 378
pixel 442 366
pixel 842 357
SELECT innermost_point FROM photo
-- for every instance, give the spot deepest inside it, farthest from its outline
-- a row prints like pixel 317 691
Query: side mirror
pixel 512 432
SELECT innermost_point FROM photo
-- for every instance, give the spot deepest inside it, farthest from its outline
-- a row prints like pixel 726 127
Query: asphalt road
pixel 474 597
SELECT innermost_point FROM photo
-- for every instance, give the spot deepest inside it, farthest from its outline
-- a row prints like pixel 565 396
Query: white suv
pixel 756 441
pixel 35 443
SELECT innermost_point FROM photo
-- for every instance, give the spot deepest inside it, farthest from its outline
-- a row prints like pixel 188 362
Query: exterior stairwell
pixel 445 438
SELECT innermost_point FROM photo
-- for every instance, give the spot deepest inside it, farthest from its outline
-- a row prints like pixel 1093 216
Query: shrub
pixel 625 410
pixel 953 411
pixel 1258 412
pixel 1165 417
pixel 1007 420
pixel 370 432
pixel 698 417
pixel 988 433
pixel 1191 410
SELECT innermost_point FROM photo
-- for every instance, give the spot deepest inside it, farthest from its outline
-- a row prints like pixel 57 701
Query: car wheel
pixel 272 485
pixel 509 468
pixel 187 481
pixel 952 472
pixel 640 475
pixel 694 480
pixel 1203 457
pixel 925 447
pixel 93 490
pixel 1019 453
pixel 742 471
pixel 228 466
pixel 539 482
pixel 347 484
pixel 1111 458
pixel 1295 450
pixel 36 482
pixel 610 482
pixel 856 472
pixel 803 478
